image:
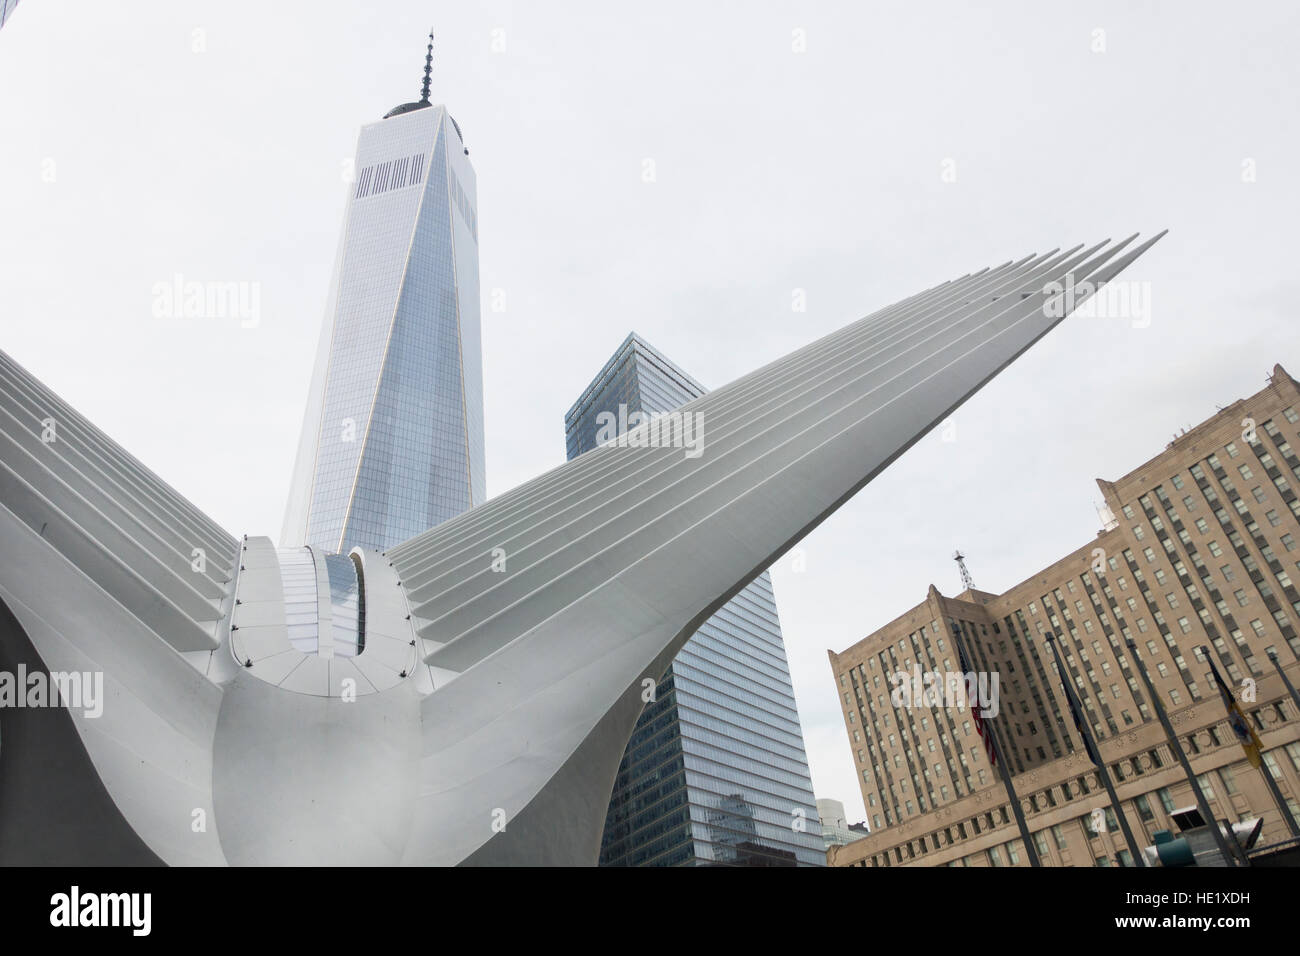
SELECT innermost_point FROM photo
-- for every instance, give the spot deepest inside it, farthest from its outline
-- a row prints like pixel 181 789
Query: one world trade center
pixel 392 440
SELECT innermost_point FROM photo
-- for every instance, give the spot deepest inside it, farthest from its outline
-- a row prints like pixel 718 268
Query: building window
pixel 1203 781
pixel 1059 836
pixel 1144 808
pixel 1229 783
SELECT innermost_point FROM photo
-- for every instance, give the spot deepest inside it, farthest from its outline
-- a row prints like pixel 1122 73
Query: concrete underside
pixel 56 810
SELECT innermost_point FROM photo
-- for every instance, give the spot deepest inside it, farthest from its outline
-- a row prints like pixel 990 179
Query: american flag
pixel 1078 725
pixel 985 732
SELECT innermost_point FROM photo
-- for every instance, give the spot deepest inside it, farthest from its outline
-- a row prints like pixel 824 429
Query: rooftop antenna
pixel 428 70
pixel 966 582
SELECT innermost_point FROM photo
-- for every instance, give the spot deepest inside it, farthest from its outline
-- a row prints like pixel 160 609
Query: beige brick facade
pixel 1204 551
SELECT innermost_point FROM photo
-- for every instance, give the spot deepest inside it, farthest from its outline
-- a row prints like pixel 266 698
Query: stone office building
pixel 1201 548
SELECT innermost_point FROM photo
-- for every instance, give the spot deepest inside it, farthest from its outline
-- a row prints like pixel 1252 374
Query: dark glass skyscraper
pixel 715 772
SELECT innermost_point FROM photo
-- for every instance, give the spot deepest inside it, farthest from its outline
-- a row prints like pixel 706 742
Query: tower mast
pixel 967 583
pixel 428 70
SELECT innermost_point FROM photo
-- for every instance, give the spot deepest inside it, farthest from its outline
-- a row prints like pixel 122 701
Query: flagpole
pixel 1295 698
pixel 1228 702
pixel 1090 746
pixel 1229 858
pixel 1026 838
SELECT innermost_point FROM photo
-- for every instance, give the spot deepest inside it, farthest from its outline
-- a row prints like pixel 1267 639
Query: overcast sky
pixel 795 146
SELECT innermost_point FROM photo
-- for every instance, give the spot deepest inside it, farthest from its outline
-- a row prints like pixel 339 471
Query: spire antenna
pixel 967 582
pixel 428 71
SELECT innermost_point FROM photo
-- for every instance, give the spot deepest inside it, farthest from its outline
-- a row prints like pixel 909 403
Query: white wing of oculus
pixel 108 572
pixel 613 560
pixel 145 545
pixel 537 614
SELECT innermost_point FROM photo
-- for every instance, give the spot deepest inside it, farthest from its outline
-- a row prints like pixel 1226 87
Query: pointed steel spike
pixel 428 69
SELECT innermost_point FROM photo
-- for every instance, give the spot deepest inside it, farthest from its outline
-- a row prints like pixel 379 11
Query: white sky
pixel 776 171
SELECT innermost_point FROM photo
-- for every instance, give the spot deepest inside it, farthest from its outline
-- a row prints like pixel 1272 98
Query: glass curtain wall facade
pixel 392 442
pixel 715 773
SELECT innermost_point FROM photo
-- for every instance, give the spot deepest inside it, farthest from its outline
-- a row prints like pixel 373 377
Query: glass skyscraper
pixel 6 8
pixel 392 442
pixel 715 773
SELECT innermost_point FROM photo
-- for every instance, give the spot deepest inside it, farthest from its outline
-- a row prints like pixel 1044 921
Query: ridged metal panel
pixel 110 516
pixel 597 516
